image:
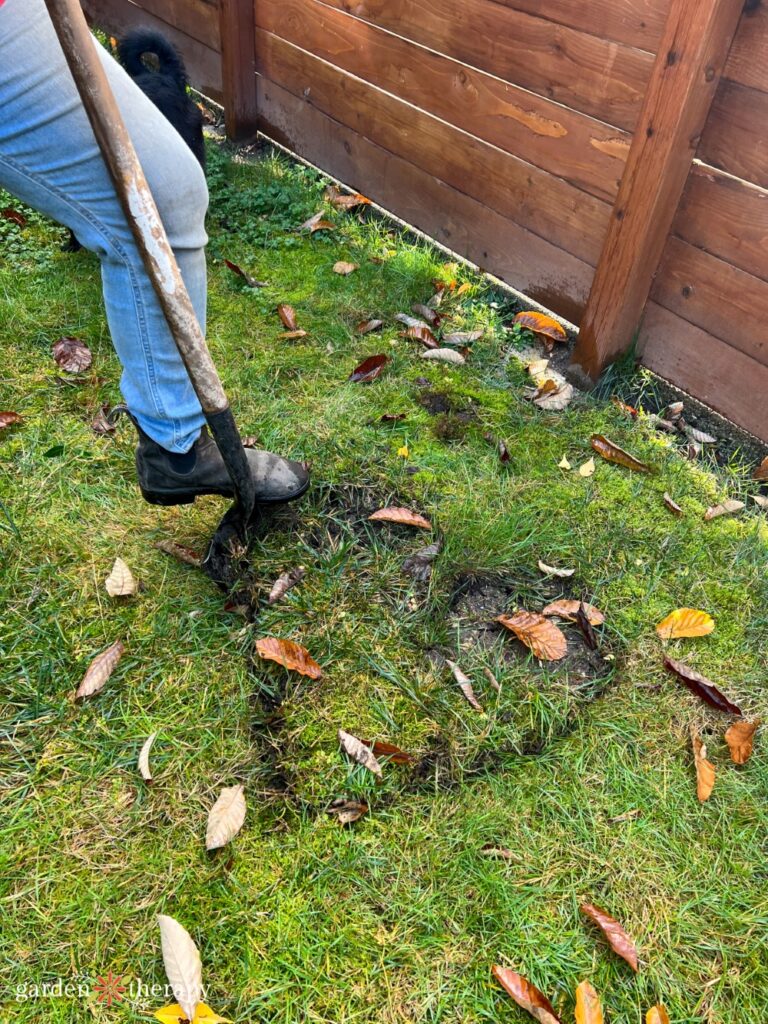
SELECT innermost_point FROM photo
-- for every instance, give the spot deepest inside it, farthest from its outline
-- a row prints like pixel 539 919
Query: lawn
pixel 581 769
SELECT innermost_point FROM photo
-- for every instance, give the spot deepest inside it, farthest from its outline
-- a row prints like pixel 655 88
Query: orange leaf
pixel 8 418
pixel 657 1015
pixel 381 748
pixel 588 1008
pixel 684 622
pixel 612 453
pixel 630 410
pixel 99 671
pixel 761 473
pixel 526 995
pixel 400 515
pixel 9 213
pixel 705 770
pixel 567 609
pixel 288 315
pixel 545 327
pixel 340 202
pixel 317 223
pixel 289 654
pixel 740 738
pixel 539 634
pixel 619 940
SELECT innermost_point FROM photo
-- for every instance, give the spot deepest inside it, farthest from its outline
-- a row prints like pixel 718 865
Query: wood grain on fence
pixel 634 22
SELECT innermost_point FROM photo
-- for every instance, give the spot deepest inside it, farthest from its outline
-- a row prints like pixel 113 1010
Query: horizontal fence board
pixel 202 61
pixel 729 381
pixel 735 137
pixel 564 142
pixel 196 18
pixel 582 71
pixel 715 296
pixel 549 275
pixel 633 22
pixel 726 217
pixel 747 61
pixel 542 203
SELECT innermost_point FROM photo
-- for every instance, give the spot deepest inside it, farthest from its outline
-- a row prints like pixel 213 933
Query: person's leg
pixel 49 158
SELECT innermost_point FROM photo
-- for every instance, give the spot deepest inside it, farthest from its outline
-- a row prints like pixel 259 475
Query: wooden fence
pixel 609 158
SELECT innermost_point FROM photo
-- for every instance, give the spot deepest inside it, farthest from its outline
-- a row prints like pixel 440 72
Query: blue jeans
pixel 49 159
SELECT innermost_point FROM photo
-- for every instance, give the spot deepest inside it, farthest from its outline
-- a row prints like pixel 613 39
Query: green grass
pixel 398 918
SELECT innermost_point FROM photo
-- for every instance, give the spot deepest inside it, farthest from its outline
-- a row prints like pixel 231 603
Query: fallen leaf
pixel 503 452
pixel 120 582
pixel 500 852
pixel 203 1015
pixel 727 508
pixel 555 400
pixel 317 223
pixel 760 500
pixel 565 464
pixel 619 941
pixel 526 995
pixel 674 410
pixel 585 626
pixel 462 289
pixel 358 751
pixel 588 1009
pixel 740 738
pixel 761 473
pixel 180 551
pixel 366 326
pixel 182 964
pixel 239 272
pixel 393 417
pixel 294 335
pixel 461 338
pixel 143 762
pixel 419 564
pixel 683 622
pixel 537 368
pixel 550 570
pixel 72 355
pixel 657 1014
pixel 672 505
pixel 612 453
pixel 101 424
pixel 587 468
pixel 290 655
pixel 380 748
pixel 537 633
pixel 404 516
pixel 630 410
pixel 465 684
pixel 369 369
pixel 285 582
pixel 344 202
pixel 288 316
pixel 427 312
pixel 403 451
pixel 547 387
pixel 422 334
pixel 8 213
pixel 705 770
pixel 7 419
pixel 410 321
pixel 225 818
pixel 544 327
pixel 567 609
pixel 699 436
pixel 99 671
pixel 348 811
pixel 491 679
pixel 444 355
pixel 704 688
pixel 344 268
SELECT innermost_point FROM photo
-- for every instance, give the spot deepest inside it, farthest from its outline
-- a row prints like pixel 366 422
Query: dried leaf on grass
pixel 290 655
pixel 101 424
pixel 403 516
pixel 568 609
pixel 727 508
pixel 422 334
pixel 760 500
pixel 72 355
pixel 685 622
pixel 419 564
pixel 526 995
pixel 143 762
pixel 340 201
pixel 588 1009
pixel 543 637
pixel 704 688
pixel 180 551
pixel 427 312
pixel 366 326
pixel 587 468
pixel 565 464
pixel 8 213
pixel 239 272
pixel 369 369
pixel 410 321
pixel 285 582
pixel 761 472
pixel 121 581
pixel 497 852
pixel 444 355
pixel 381 748
pixel 7 419
pixel 611 452
pixel 740 738
pixel 344 268
pixel 672 505
pixel 705 770
pixel 348 811
pixel 618 939
pixel 553 395
pixel 544 327
pixel 629 410
pixel 225 818
pixel 585 627
pixel 492 680
pixel 182 964
pixel 465 685
pixel 359 752
pixel 294 335
pixel 550 570
pixel 657 1015
pixel 699 436
pixel 317 222
pixel 99 671
pixel 462 338
pixel 287 315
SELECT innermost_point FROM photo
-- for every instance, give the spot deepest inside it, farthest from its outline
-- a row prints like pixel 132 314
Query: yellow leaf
pixel 403 451
pixel 203 1015
pixel 565 464
pixel 588 1008
pixel 588 468
pixel 705 770
pixel 657 1015
pixel 685 622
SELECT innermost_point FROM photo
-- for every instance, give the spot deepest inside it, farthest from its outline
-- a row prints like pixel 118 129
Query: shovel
pixel 231 536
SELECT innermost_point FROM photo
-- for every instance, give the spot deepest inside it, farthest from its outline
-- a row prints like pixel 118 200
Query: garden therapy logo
pixel 185 974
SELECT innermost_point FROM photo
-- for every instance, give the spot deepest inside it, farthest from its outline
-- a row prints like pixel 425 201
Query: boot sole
pixel 188 497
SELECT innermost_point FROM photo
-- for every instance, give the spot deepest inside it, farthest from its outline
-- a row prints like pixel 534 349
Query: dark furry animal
pixel 165 85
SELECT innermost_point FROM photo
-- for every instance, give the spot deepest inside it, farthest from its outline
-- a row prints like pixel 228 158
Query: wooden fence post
pixel 690 59
pixel 238 67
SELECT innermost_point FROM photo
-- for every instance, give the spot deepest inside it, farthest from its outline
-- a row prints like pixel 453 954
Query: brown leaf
pixel 72 355
pixel 672 505
pixel 101 424
pixel 410 321
pixel 657 1015
pixel 465 684
pixel 180 551
pixel 284 583
pixel 582 621
pixel 612 453
pixel 393 417
pixel 369 369
pixel 699 436
pixel 288 316
pixel 685 622
pixel 366 326
pixel 740 738
pixel 250 281
pixel 544 327
pixel 760 500
pixel 395 514
pixel 343 202
pixel 703 688
pixel 588 1009
pixel 551 570
pixel 705 770
pixel 359 752
pixel 761 473
pixel 419 564
pixel 619 940
pixel 427 312
pixel 462 338
pixel 566 609
pixel 630 410
pixel 554 399
pixel 8 213
pixel 344 268
pixel 290 655
pixel 543 637
pixel 380 748
pixel 491 679
pixel 99 671
pixel 498 852
pixel 294 335
pixel 422 334
pixel 7 419
pixel 348 811
pixel 526 995
pixel 727 508
pixel 317 223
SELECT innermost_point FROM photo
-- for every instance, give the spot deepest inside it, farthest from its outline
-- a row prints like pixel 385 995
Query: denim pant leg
pixel 49 158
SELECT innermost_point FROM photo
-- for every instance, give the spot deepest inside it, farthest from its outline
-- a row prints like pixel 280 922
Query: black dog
pixel 166 86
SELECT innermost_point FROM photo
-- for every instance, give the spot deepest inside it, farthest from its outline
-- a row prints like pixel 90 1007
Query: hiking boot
pixel 170 478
